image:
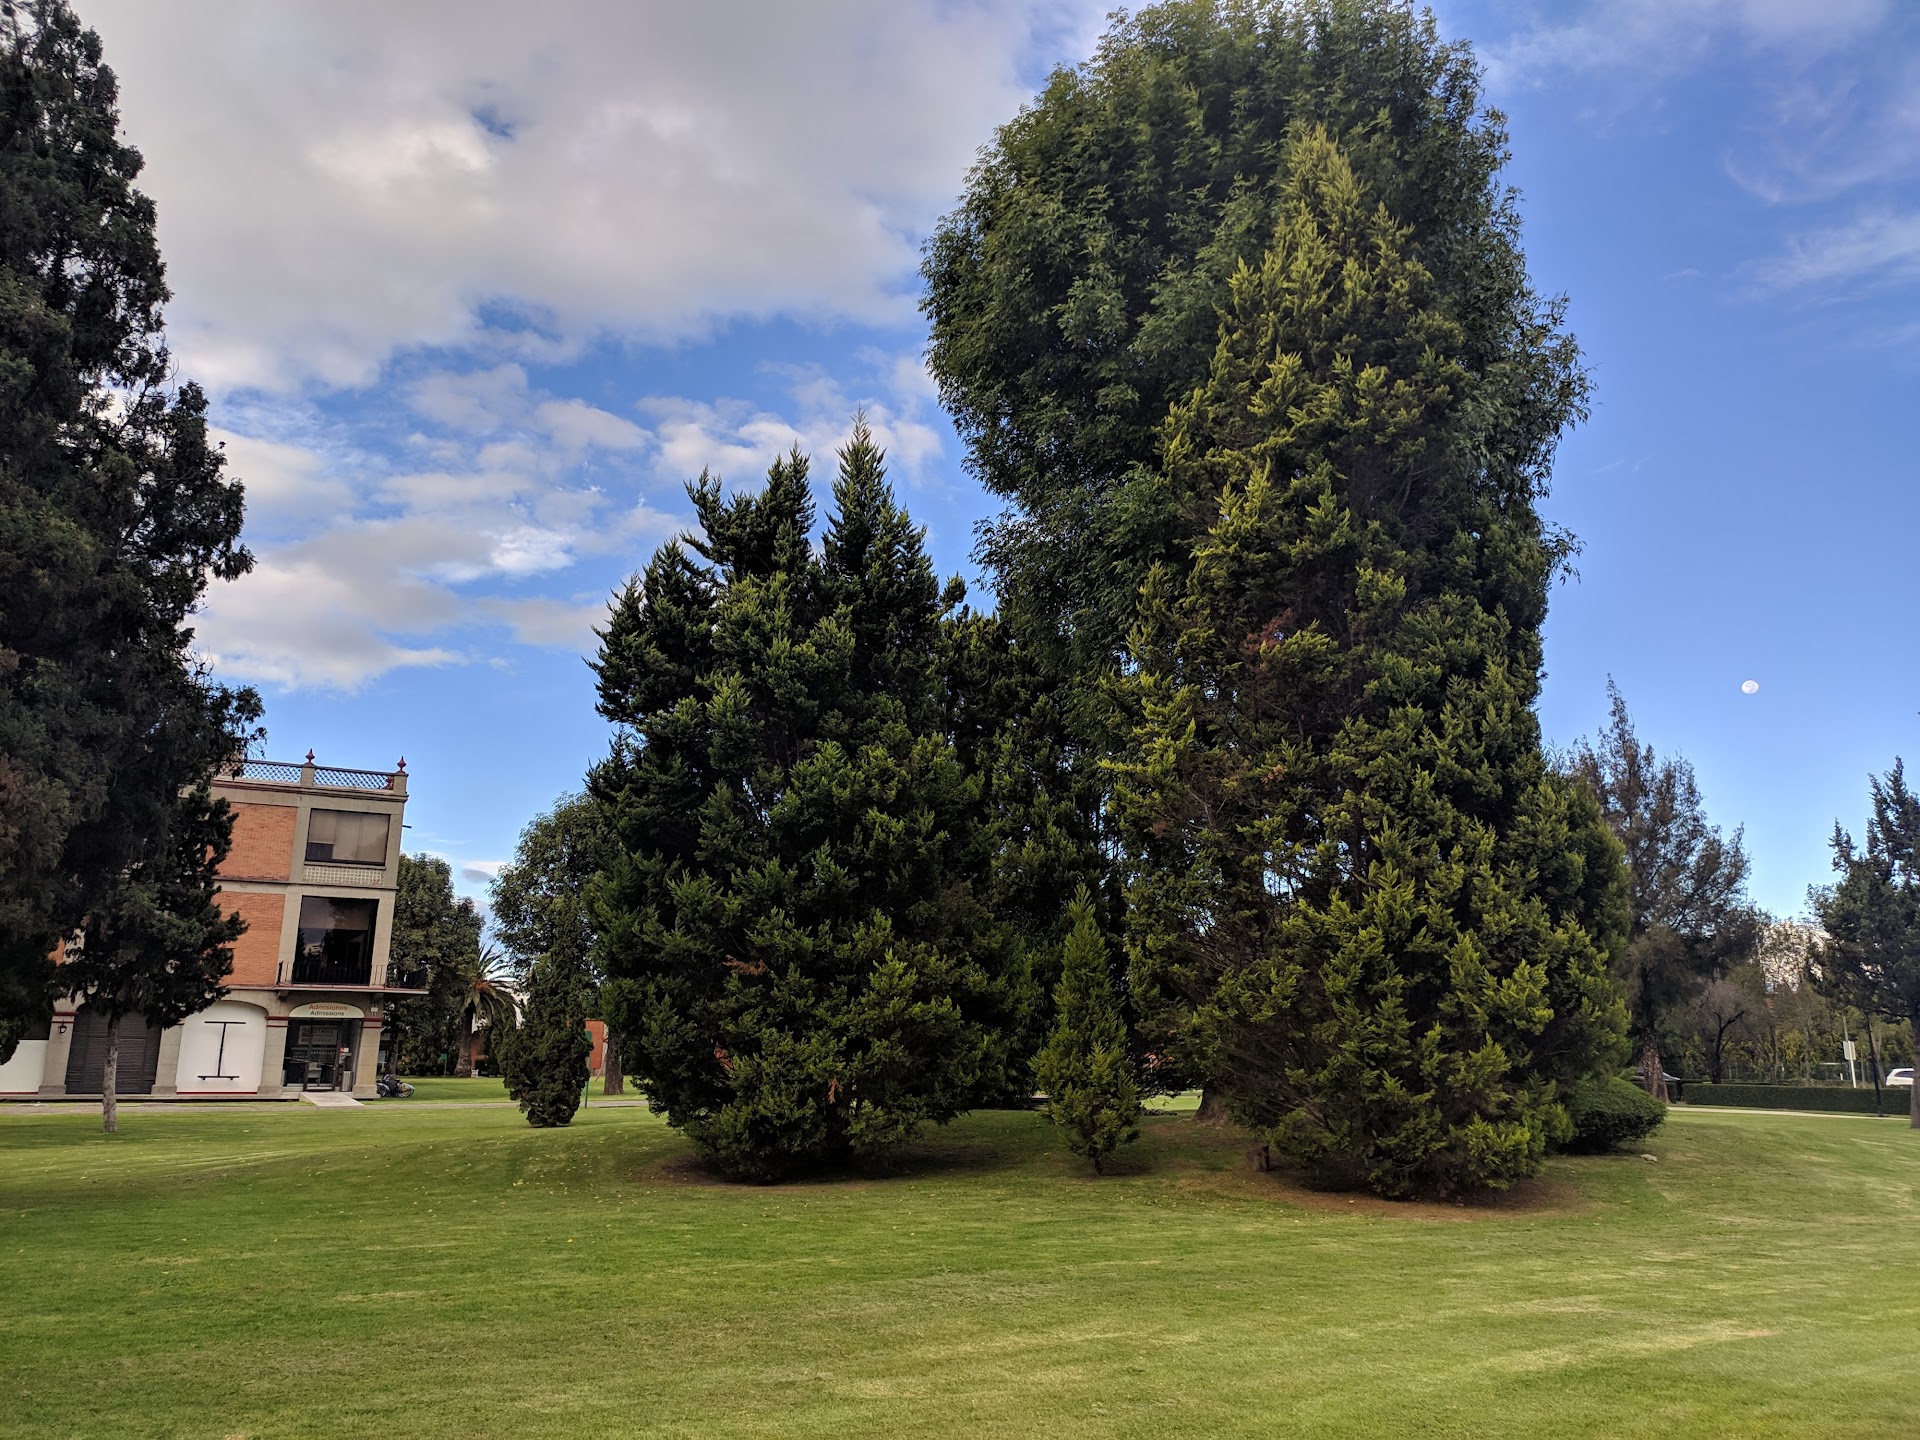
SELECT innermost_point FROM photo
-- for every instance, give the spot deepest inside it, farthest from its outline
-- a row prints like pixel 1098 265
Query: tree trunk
pixel 109 1078
pixel 463 1062
pixel 1873 1067
pixel 1652 1073
pixel 612 1082
pixel 1213 1110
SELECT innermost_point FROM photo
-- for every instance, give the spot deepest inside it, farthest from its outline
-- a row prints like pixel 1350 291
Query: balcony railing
pixel 320 974
pixel 354 972
pixel 310 775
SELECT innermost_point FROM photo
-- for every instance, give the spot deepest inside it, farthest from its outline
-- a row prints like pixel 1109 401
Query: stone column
pixel 166 1073
pixel 366 1058
pixel 274 1063
pixel 53 1079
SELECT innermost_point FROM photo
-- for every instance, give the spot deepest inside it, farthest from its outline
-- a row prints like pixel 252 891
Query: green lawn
pixel 419 1272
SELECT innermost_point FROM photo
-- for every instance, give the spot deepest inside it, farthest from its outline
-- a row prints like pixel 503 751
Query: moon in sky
pixel 1749 687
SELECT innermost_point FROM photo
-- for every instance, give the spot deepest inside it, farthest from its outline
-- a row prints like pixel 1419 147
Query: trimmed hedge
pixel 1609 1113
pixel 1798 1097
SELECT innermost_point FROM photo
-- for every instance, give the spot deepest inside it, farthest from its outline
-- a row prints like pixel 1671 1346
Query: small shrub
pixel 1084 1067
pixel 1608 1113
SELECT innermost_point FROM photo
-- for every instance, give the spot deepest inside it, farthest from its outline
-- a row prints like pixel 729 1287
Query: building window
pixel 347 837
pixel 336 942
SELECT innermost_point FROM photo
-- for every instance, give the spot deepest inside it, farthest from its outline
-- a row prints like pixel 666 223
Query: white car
pixel 1901 1079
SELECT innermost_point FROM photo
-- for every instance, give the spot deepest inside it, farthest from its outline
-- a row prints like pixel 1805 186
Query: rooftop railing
pixel 281 772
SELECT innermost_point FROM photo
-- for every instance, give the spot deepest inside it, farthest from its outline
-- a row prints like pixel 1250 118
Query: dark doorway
pixel 87 1061
pixel 319 1055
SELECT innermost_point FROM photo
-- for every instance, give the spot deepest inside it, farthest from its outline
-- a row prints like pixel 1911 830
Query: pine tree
pixel 544 1059
pixel 542 903
pixel 1084 1068
pixel 1361 901
pixel 114 515
pixel 436 943
pixel 1872 913
pixel 1689 919
pixel 800 963
pixel 157 943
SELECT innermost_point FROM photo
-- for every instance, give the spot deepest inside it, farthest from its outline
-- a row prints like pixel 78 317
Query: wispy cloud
pixel 1657 39
pixel 1872 249
pixel 367 563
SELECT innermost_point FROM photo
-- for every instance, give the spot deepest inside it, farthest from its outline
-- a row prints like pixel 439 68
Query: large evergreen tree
pixel 435 946
pixel 114 515
pixel 1872 913
pixel 1689 918
pixel 1362 901
pixel 801 962
pixel 1074 294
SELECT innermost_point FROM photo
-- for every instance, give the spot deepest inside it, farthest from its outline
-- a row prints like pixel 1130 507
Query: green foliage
pixel 801 963
pixel 1872 915
pixel 436 942
pixel 540 900
pixel 1608 1112
pixel 544 1059
pixel 1362 901
pixel 1689 917
pixel 1084 1069
pixel 1838 1098
pixel 1074 294
pixel 114 515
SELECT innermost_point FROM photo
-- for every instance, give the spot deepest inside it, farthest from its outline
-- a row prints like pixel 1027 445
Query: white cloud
pixel 1657 39
pixel 1870 248
pixel 328 198
pixel 417 566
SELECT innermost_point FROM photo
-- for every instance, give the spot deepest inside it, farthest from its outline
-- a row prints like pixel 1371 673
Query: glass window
pixel 350 837
pixel 336 942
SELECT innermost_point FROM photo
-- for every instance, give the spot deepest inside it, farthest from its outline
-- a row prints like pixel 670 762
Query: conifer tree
pixel 1689 918
pixel 800 961
pixel 1084 1068
pixel 1361 899
pixel 1872 912
pixel 115 513
pixel 543 1060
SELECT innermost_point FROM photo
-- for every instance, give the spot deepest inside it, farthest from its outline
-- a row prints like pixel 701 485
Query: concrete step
pixel 330 1099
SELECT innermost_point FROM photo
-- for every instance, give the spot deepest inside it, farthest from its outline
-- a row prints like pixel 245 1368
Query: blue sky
pixel 476 287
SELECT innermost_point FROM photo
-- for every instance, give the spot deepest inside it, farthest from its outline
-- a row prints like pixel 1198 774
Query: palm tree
pixel 482 1000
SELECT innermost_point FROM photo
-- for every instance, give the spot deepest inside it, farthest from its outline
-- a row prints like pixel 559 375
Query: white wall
pixel 21 1074
pixel 200 1049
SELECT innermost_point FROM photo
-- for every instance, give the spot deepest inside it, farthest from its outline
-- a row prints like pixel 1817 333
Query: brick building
pixel 313 870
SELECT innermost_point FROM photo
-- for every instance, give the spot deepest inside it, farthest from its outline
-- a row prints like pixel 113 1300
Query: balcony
pixel 320 973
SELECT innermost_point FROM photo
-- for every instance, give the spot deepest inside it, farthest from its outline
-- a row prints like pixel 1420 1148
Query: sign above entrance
pixel 327 1010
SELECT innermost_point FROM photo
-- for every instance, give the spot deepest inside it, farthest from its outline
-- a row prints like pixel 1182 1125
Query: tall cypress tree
pixel 114 514
pixel 1236 319
pixel 801 963
pixel 1085 1068
pixel 1362 898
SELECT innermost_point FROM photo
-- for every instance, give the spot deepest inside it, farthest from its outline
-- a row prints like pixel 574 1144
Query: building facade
pixel 314 871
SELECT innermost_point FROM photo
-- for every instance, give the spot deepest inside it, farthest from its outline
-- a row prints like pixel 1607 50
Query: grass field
pixel 412 1271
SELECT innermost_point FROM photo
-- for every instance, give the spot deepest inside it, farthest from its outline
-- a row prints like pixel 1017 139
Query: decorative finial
pixel 403 764
pixel 309 757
